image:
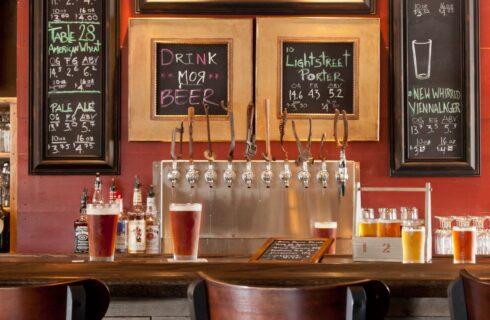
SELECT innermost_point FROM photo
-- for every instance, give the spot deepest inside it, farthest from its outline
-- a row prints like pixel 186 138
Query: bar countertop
pixel 145 276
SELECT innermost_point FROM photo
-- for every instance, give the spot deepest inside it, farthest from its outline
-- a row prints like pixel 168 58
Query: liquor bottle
pixel 152 224
pixel 122 221
pixel 97 198
pixel 81 227
pixel 136 222
pixel 112 192
pixel 4 209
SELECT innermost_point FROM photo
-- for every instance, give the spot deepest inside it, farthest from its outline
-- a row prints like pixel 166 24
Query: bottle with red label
pixel 136 222
pixel 152 221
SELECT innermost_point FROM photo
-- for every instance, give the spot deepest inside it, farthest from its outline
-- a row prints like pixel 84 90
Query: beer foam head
pixel 102 209
pixel 326 224
pixel 185 207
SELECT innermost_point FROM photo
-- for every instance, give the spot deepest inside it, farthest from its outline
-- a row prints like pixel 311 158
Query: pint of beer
pixel 327 229
pixel 102 230
pixel 185 219
pixel 413 243
pixel 464 244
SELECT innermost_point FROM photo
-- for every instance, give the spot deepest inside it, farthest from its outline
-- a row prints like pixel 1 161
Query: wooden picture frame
pixel 363 33
pixel 428 138
pixel 256 6
pixel 146 34
pixel 92 87
pixel 321 246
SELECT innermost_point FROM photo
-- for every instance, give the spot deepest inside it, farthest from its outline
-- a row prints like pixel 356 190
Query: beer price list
pixel 74 51
pixel 318 77
pixel 434 91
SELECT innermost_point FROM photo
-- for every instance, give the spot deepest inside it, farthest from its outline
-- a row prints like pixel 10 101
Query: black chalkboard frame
pixel 255 7
pixel 109 162
pixel 199 113
pixel 315 258
pixel 400 164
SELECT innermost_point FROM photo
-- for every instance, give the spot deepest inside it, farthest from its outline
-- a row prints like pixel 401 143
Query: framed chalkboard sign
pixel 256 6
pixel 74 83
pixel 207 61
pixel 310 250
pixel 311 66
pixel 435 88
pixel 190 74
pixel 319 77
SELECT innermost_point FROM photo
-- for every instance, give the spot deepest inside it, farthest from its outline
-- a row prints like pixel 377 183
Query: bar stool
pixel 74 300
pixel 469 297
pixel 210 298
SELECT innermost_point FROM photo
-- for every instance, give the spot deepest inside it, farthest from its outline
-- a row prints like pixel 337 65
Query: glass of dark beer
pixel 102 230
pixel 185 219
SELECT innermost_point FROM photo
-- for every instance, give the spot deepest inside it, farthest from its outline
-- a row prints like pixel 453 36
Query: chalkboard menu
pixel 191 75
pixel 73 75
pixel 318 77
pixel 436 116
pixel 292 250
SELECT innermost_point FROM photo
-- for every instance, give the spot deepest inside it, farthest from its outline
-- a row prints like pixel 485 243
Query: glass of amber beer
pixel 464 244
pixel 185 220
pixel 413 241
pixel 388 225
pixel 326 229
pixel 102 230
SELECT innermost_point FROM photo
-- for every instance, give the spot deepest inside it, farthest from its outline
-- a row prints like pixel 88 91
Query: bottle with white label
pixel 136 222
pixel 152 225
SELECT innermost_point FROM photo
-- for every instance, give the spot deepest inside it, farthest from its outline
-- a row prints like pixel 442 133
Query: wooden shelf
pixel 4 155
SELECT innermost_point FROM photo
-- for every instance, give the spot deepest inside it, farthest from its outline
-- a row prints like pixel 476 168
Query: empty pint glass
pixel 185 219
pixel 102 230
pixel 326 229
pixel 464 244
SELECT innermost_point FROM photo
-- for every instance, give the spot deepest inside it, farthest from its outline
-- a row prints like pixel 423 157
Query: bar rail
pixel 131 276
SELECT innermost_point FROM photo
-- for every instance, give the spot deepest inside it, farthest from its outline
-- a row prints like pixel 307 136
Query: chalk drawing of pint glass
pixel 422 52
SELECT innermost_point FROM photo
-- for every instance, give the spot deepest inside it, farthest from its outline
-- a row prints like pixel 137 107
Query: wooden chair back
pixel 469 297
pixel 213 299
pixel 81 299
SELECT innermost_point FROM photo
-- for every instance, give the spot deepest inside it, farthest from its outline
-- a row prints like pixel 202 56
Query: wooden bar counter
pixel 140 279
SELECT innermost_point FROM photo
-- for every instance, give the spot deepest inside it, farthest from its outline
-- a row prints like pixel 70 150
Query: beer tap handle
pixel 341 144
pixel 267 156
pixel 250 147
pixel 190 117
pixel 208 154
pixel 231 150
pixel 282 131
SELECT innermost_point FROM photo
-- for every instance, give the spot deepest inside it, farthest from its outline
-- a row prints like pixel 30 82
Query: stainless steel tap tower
pixel 237 219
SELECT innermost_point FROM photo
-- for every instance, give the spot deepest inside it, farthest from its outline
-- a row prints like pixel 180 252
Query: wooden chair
pixel 82 299
pixel 212 299
pixel 469 297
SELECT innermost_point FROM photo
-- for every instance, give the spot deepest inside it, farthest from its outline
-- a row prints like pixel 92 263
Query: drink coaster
pixel 184 261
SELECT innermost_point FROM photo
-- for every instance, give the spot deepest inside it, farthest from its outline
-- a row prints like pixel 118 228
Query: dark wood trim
pixel 109 162
pixel 400 165
pixel 253 7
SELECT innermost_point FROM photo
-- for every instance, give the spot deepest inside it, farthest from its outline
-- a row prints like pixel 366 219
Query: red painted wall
pixel 48 205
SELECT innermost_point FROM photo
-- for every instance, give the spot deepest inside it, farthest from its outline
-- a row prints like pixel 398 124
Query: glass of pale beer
pixel 413 241
pixel 185 220
pixel 102 230
pixel 367 225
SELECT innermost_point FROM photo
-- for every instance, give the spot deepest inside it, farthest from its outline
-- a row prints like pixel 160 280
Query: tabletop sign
pixel 191 74
pixel 318 77
pixel 309 250
pixel 76 81
pixel 438 94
